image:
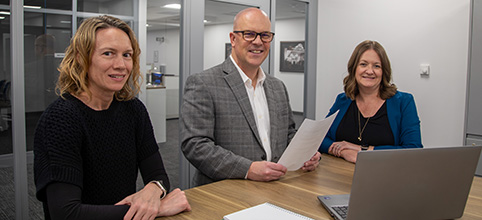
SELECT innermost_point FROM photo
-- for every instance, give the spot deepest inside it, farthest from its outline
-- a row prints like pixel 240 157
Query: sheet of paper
pixel 306 142
pixel 265 211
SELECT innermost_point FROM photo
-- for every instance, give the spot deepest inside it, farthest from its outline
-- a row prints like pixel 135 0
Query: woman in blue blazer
pixel 373 115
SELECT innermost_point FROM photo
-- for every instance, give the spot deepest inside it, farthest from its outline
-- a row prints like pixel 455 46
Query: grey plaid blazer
pixel 218 130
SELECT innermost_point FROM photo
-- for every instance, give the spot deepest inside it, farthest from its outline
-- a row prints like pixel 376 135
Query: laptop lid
pixel 423 183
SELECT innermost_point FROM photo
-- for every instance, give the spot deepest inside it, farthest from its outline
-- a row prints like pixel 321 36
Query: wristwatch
pixel 364 147
pixel 159 184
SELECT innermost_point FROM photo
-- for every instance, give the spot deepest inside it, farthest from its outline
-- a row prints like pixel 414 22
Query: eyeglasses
pixel 251 35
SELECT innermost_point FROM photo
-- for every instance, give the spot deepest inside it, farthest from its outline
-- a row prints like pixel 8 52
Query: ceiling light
pixel 172 6
pixel 1 18
pixel 4 13
pixel 148 25
pixel 32 7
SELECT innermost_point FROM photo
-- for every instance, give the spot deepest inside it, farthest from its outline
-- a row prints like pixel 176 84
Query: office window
pixel 50 4
pixel 6 169
pixel 45 38
pixel 112 7
pixel 5 85
pixel 218 22
pixel 289 41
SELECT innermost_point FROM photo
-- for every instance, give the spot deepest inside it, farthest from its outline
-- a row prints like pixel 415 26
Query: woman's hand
pixel 345 149
pixel 337 147
pixel 175 202
pixel 145 204
pixel 349 155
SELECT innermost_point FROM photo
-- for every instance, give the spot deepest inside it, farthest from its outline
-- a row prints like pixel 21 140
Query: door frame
pixel 191 57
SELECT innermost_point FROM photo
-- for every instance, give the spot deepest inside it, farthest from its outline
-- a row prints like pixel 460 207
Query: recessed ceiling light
pixel 172 6
pixel 1 18
pixel 4 13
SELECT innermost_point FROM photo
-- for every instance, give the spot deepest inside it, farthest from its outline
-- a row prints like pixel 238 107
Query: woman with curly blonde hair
pixel 92 141
pixel 73 70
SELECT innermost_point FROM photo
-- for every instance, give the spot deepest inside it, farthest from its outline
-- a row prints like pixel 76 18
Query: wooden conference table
pixel 296 191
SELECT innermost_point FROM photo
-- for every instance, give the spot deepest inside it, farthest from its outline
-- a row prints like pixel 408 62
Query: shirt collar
pixel 245 78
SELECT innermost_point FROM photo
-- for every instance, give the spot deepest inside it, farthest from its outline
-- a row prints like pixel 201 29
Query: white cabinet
pixel 156 106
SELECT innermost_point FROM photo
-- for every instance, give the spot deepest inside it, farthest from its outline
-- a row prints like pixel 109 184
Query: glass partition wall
pixel 162 56
pixel 6 151
pixel 289 61
pixel 48 26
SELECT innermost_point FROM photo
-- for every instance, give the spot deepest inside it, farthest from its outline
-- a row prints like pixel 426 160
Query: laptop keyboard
pixel 341 210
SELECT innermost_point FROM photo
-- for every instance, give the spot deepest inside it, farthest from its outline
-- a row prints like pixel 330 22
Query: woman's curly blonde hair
pixel 73 70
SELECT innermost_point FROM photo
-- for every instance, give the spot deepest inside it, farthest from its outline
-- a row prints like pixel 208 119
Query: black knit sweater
pixel 98 151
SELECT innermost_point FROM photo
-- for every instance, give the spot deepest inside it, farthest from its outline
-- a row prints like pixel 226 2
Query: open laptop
pixel 423 183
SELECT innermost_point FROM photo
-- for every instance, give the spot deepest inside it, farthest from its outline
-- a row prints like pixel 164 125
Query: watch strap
pixel 159 184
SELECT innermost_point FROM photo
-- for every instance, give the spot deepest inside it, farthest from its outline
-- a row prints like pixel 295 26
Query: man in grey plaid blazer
pixel 236 121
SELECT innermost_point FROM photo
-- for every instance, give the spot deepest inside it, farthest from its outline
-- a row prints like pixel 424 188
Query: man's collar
pixel 260 76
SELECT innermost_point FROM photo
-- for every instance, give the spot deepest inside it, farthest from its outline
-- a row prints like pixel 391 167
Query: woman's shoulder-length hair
pixel 75 65
pixel 387 88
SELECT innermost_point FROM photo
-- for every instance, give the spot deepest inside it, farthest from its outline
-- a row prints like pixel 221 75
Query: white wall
pixel 168 50
pixel 290 30
pixel 215 39
pixel 413 32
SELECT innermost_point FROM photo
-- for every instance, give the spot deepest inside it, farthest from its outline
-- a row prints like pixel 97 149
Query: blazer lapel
pixel 236 84
pixel 271 98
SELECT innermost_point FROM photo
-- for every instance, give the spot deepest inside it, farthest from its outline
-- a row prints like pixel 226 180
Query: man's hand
pixel 266 171
pixel 311 164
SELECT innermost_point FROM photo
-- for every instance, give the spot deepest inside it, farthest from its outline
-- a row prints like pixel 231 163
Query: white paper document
pixel 265 211
pixel 306 142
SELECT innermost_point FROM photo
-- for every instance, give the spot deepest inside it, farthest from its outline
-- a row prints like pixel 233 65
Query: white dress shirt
pixel 259 104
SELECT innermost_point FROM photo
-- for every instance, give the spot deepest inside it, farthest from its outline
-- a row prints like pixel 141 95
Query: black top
pixel 377 131
pixel 98 152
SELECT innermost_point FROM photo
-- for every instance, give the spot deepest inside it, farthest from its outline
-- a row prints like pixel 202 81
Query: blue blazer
pixel 402 117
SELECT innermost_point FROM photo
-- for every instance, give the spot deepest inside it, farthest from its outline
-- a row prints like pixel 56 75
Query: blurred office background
pixel 182 37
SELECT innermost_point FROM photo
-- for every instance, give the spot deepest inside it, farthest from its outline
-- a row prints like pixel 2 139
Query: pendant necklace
pixel 360 130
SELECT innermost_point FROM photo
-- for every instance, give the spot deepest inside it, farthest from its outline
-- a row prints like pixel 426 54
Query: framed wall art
pixel 292 57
